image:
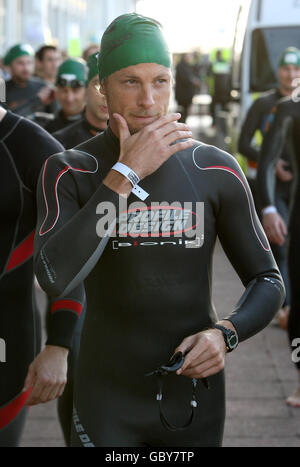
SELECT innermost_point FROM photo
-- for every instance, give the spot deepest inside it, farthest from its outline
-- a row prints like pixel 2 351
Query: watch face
pixel 232 341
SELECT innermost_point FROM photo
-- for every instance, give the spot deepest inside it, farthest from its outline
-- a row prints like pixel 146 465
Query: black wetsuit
pixel 70 137
pixel 144 295
pixel 60 122
pixel 76 133
pixel 24 147
pixel 258 117
pixel 23 100
pixel 286 123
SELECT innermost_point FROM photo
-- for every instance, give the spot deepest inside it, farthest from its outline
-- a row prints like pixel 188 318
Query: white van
pixel 264 29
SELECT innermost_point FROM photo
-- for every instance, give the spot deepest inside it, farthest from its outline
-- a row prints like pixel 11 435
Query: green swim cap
pixel 291 56
pixel 129 40
pixel 92 64
pixel 72 69
pixel 17 51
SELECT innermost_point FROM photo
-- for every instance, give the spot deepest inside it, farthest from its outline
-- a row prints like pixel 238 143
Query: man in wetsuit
pixel 186 84
pixel 24 147
pixel 286 126
pixel 25 95
pixel 95 115
pixel 93 123
pixel 70 83
pixel 147 271
pixel 220 82
pixel 256 120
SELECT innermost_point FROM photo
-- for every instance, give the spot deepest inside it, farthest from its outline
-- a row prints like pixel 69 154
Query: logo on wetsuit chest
pixel 160 224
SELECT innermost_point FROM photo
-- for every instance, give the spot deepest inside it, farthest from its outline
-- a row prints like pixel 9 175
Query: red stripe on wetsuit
pixel 11 410
pixel 22 253
pixel 70 305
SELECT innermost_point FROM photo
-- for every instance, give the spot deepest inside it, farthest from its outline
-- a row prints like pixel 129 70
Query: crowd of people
pixel 118 307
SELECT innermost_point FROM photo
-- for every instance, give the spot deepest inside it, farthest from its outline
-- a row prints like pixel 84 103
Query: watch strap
pixel 227 333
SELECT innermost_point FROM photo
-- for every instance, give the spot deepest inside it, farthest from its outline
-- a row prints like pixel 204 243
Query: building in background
pixel 71 24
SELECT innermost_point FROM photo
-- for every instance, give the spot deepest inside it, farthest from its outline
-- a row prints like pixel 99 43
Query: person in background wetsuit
pixel 94 122
pixel 25 94
pixel 47 61
pixel 26 378
pixel 95 114
pixel 220 83
pixel 186 84
pixel 71 91
pixel 286 125
pixel 142 278
pixel 256 120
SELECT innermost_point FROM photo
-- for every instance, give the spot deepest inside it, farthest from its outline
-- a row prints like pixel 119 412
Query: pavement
pixel 260 375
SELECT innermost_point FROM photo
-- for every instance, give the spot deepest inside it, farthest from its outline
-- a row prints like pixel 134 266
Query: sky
pixel 191 24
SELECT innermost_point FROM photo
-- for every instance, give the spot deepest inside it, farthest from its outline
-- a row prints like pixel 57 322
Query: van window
pixel 267 46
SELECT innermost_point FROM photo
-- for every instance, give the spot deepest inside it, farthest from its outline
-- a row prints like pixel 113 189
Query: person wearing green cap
pixel 25 94
pixel 70 92
pixel 285 128
pixel 258 116
pixel 147 266
pixel 95 116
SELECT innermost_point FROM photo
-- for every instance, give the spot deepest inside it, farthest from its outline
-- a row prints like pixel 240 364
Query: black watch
pixel 230 337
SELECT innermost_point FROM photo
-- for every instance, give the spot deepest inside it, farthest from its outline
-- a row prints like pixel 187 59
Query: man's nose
pixel 69 95
pixel 146 96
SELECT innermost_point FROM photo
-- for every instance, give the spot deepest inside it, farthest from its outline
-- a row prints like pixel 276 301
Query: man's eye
pixel 131 81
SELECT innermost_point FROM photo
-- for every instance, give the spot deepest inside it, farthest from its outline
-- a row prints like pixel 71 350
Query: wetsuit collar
pixel 90 128
pixel 72 118
pixel 113 142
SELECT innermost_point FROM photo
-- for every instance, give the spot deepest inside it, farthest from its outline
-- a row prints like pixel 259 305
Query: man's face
pixel 96 102
pixel 140 93
pixel 50 63
pixel 286 75
pixel 72 100
pixel 22 68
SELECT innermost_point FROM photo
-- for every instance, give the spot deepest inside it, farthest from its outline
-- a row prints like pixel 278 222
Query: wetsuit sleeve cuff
pixel 61 328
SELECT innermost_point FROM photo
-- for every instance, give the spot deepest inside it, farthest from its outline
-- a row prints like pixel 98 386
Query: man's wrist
pixel 230 335
pixel 269 210
pixel 118 183
pixel 57 348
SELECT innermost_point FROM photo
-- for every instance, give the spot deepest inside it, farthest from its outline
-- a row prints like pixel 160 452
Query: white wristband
pixel 269 210
pixel 133 178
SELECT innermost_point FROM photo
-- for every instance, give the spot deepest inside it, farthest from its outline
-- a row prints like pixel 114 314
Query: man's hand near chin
pixel 47 375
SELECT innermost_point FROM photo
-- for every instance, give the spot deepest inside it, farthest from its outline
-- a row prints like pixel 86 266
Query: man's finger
pixel 171 127
pixel 204 373
pixel 55 391
pixel 124 132
pixel 29 381
pixel 35 396
pixel 175 135
pixel 282 227
pixel 181 146
pixel 193 356
pixel 162 121
pixel 61 389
